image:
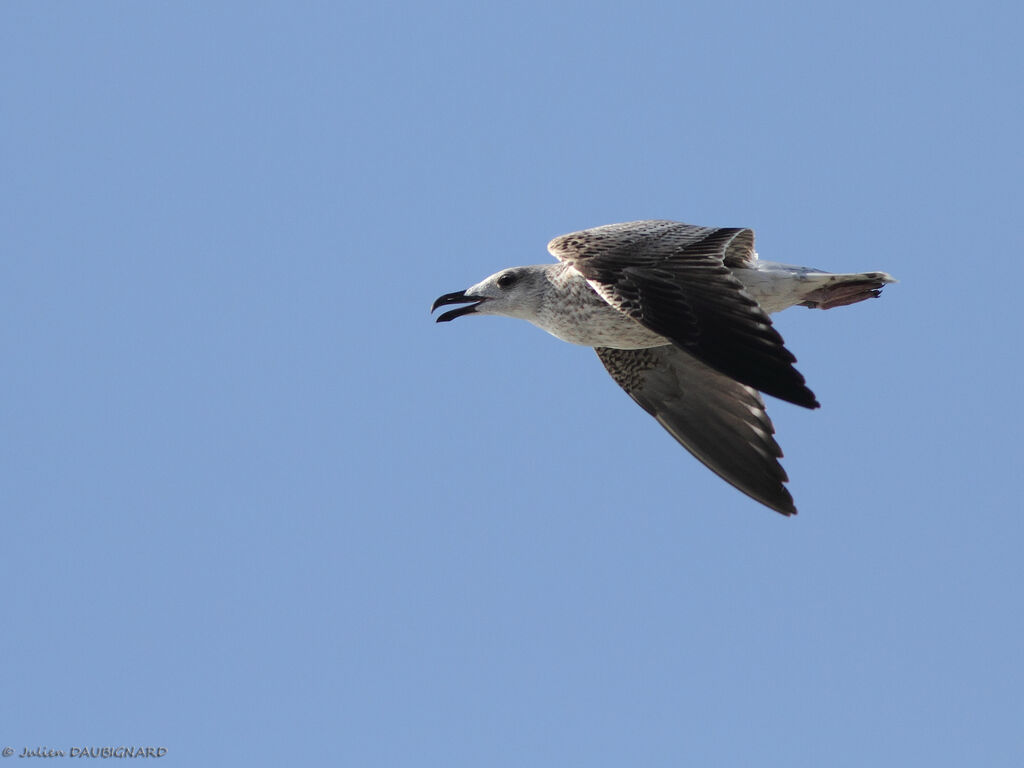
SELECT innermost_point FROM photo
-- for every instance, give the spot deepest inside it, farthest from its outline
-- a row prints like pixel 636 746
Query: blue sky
pixel 259 509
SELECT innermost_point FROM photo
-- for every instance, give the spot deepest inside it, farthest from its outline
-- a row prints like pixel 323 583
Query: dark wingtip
pixel 800 395
pixel 782 502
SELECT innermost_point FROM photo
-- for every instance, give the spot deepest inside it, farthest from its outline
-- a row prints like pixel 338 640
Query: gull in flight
pixel 679 316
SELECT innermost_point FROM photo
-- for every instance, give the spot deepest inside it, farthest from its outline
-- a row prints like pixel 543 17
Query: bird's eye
pixel 507 280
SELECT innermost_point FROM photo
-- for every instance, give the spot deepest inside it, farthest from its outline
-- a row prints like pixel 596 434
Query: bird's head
pixel 515 292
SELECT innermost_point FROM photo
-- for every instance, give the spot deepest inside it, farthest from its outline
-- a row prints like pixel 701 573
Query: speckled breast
pixel 593 323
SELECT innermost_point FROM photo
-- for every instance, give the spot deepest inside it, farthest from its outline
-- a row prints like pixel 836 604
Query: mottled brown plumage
pixel 679 316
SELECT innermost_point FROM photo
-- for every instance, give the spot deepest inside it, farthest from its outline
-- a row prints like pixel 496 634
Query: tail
pixel 840 290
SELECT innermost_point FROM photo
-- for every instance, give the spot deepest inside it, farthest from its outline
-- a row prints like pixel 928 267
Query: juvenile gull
pixel 678 315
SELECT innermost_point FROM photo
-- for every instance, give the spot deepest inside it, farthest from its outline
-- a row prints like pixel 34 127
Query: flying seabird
pixel 678 315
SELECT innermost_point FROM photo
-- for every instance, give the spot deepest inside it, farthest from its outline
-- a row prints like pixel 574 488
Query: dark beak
pixel 459 297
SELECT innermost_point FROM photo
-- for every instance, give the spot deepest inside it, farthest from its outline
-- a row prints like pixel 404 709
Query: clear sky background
pixel 257 508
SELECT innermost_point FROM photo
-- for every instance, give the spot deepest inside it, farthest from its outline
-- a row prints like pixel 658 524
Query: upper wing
pixel 721 422
pixel 674 279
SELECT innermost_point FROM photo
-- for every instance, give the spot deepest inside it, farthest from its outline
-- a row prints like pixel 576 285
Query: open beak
pixel 459 297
